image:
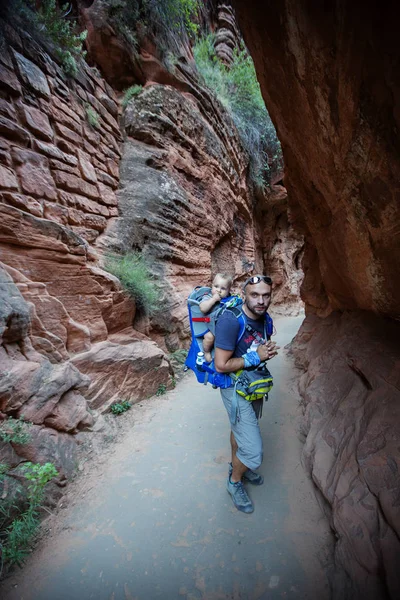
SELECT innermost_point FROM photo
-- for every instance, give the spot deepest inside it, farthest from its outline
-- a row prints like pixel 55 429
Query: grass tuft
pixel 135 277
pixel 130 93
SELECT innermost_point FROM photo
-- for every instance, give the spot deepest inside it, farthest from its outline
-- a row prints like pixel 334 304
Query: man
pixel 230 356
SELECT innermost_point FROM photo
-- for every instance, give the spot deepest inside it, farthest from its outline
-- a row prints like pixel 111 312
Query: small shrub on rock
pixel 238 90
pixel 92 116
pixel 135 277
pixel 130 93
pixel 57 24
pixel 120 407
pixel 15 431
pixel 17 537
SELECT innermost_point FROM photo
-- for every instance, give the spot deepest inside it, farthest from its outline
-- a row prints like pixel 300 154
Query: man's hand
pixel 267 351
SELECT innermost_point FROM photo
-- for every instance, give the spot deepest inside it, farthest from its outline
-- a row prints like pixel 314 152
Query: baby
pixel 221 288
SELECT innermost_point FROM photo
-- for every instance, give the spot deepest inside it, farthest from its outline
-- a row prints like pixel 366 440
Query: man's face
pixel 257 297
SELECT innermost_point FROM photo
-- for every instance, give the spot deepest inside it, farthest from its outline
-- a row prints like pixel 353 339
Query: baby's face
pixel 221 287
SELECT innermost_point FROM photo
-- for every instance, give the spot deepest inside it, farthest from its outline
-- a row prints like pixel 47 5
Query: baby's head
pixel 221 284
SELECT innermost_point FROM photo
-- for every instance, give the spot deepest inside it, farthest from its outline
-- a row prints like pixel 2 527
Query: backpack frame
pixel 198 328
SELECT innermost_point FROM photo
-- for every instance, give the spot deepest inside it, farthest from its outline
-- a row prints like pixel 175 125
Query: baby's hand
pixel 216 296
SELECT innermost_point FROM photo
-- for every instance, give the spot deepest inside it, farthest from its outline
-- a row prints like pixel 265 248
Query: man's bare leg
pixel 238 468
pixel 208 343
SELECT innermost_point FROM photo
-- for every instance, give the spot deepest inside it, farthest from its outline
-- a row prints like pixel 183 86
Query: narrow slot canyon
pixel 146 146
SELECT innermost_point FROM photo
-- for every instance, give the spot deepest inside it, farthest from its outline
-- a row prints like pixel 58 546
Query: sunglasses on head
pixel 257 279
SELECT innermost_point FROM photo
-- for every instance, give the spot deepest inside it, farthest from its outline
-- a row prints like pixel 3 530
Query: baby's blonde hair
pixel 225 277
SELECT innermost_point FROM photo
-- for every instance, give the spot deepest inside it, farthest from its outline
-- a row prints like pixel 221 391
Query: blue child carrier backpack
pixel 199 327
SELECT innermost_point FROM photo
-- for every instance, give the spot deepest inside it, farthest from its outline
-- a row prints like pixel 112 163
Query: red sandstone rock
pixel 84 204
pixel 70 414
pixel 73 109
pixel 341 168
pixel 351 398
pixel 107 196
pixel 9 82
pixel 68 134
pixel 13 131
pixel 54 152
pixel 34 174
pixel 71 183
pixel 7 179
pixel 113 168
pixel 66 124
pixel 118 371
pixel 61 166
pixel 56 213
pixel 86 167
pixel 29 383
pixel 106 179
pixel 48 445
pixel 32 75
pixel 7 109
pixel 65 146
pixel 38 122
pixel 23 202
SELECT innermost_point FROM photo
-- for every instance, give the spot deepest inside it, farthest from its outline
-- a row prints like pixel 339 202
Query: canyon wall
pixel 335 105
pixel 68 348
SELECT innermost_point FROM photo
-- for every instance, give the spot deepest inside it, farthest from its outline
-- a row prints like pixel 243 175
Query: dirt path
pixel 154 519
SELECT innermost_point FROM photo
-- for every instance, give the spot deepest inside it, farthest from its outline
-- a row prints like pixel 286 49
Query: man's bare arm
pixel 224 363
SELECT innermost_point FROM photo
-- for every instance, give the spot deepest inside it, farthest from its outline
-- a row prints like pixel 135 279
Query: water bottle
pixel 199 361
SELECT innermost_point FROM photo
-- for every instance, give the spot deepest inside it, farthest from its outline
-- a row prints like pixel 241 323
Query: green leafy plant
pixel 38 476
pixel 3 470
pixel 179 356
pixel 120 407
pixel 237 88
pixel 162 388
pixel 130 93
pixel 57 23
pixel 135 277
pixel 15 431
pixel 17 537
pixel 92 116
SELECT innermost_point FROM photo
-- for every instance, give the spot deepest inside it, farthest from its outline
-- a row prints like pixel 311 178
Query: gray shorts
pixel 246 430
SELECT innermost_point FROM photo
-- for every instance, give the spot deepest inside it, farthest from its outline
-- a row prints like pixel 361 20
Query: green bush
pixel 59 26
pixel 237 88
pixel 135 277
pixel 130 93
pixel 17 537
pixel 15 431
pixel 162 389
pixel 120 407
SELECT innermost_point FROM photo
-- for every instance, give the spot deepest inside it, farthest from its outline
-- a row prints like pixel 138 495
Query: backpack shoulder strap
pixel 268 327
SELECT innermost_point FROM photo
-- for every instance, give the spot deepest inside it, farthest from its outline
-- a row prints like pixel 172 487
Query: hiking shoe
pixel 239 496
pixel 250 476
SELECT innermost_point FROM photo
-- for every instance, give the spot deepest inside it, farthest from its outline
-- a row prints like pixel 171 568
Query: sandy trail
pixel 154 520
